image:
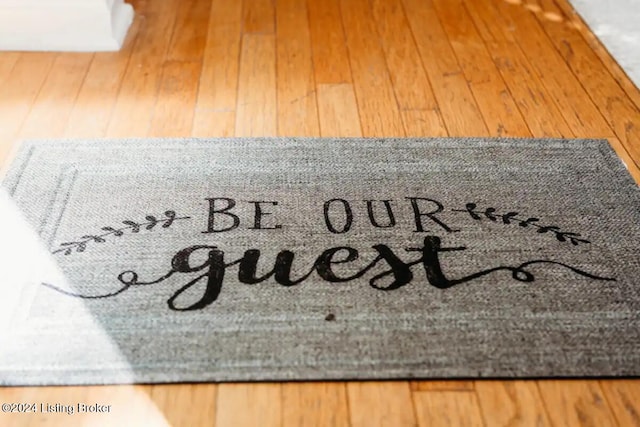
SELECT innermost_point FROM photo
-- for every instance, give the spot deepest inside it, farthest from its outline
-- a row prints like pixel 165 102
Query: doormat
pixel 193 260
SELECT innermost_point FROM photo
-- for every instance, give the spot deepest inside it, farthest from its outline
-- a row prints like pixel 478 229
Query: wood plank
pixel 511 403
pixel 18 93
pixel 51 109
pixel 314 404
pixel 574 103
pixel 173 113
pixel 447 408
pixel 423 123
pixel 338 111
pixel 137 97
pixel 8 60
pixel 249 405
pixel 168 397
pixel 487 28
pixel 215 112
pixel 296 94
pixel 381 404
pixel 256 107
pixel 444 47
pixel 95 101
pixel 575 402
pixel 374 92
pixel 456 102
pixel 442 385
pixel 613 103
pixel 576 21
pixel 623 397
pixel 410 83
pixel 542 115
pixel 258 16
pixel 20 89
pixel 536 105
pixel 330 57
pixel 190 31
pixel 499 110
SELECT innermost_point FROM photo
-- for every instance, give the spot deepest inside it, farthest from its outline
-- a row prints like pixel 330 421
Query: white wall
pixel 64 25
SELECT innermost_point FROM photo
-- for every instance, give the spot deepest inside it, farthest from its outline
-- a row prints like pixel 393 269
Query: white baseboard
pixel 64 25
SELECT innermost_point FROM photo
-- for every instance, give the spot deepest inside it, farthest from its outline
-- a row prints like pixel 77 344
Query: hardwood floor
pixel 329 68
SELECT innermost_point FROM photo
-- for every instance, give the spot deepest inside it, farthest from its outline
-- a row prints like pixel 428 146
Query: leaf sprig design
pixel 512 217
pixel 67 248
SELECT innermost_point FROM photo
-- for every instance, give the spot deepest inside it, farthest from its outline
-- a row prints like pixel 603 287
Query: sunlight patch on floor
pixel 25 263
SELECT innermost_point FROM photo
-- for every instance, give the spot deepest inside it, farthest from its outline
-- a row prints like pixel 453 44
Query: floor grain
pixel 334 68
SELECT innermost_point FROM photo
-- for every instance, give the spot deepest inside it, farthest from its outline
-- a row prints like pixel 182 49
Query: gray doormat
pixel 300 259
